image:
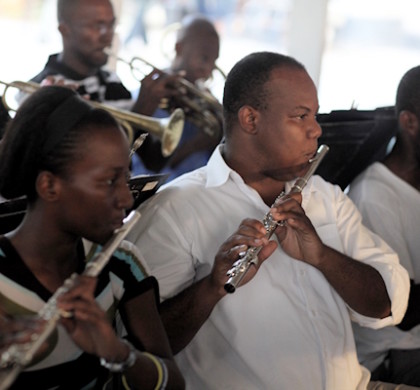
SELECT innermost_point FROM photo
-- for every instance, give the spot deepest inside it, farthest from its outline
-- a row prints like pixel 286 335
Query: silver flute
pixel 250 257
pixel 14 359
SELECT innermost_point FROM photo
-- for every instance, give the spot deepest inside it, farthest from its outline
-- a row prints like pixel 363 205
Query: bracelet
pixel 124 365
pixel 161 369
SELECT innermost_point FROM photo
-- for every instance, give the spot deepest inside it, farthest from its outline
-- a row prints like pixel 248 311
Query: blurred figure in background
pixel 196 52
pixel 387 194
pixel 4 117
pixel 87 31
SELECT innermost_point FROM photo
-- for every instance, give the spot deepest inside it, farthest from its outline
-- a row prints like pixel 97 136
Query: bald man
pixel 196 51
pixel 196 48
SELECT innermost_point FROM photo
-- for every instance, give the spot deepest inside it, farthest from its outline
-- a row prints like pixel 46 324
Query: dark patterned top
pixel 63 365
pixel 104 86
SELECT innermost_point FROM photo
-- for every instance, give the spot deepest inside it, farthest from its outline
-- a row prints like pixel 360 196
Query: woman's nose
pixel 125 198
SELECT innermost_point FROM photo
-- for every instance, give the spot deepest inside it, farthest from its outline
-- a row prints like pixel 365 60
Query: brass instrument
pixel 14 359
pixel 250 257
pixel 168 130
pixel 199 105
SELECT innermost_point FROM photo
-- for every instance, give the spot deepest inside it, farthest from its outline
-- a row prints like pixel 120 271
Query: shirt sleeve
pixel 165 244
pixel 363 245
pixel 384 218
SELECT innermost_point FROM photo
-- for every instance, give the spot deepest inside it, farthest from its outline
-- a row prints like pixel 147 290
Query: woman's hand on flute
pixel 88 325
pixel 18 330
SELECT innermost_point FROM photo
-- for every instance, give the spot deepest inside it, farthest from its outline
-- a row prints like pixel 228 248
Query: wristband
pixel 124 365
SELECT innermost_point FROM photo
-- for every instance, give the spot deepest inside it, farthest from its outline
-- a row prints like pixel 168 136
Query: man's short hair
pixel 195 24
pixel 245 82
pixel 64 8
pixel 408 92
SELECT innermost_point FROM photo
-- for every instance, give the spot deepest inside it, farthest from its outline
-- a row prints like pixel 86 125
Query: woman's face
pixel 94 196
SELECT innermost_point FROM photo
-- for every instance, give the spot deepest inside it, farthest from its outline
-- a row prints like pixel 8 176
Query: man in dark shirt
pixel 87 31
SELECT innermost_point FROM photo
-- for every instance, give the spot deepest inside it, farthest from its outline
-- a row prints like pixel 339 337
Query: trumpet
pixel 168 130
pixel 199 105
pixel 241 266
pixel 14 359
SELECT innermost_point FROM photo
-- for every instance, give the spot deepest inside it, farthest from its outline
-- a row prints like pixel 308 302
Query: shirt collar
pixel 218 171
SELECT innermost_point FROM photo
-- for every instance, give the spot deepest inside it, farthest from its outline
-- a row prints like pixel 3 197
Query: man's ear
pixel 47 186
pixel 64 29
pixel 248 119
pixel 178 48
pixel 409 122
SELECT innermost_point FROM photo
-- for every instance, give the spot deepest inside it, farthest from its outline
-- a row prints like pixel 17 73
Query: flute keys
pixel 268 222
pixel 236 266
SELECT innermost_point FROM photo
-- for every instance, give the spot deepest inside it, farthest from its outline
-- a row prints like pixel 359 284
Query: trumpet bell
pixel 174 126
pixel 199 105
pixel 168 130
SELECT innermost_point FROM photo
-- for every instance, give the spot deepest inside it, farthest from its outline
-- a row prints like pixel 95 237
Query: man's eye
pixel 103 27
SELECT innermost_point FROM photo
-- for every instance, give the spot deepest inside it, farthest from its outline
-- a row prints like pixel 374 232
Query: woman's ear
pixel 47 186
pixel 248 119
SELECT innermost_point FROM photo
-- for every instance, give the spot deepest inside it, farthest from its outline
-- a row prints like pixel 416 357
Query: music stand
pixel 356 140
pixel 144 186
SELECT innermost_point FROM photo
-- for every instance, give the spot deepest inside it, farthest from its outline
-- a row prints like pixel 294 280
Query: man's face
pixel 290 132
pixel 88 31
pixel 198 55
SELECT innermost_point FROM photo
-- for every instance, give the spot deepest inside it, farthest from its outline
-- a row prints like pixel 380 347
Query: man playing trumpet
pixel 196 52
pixel 87 30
